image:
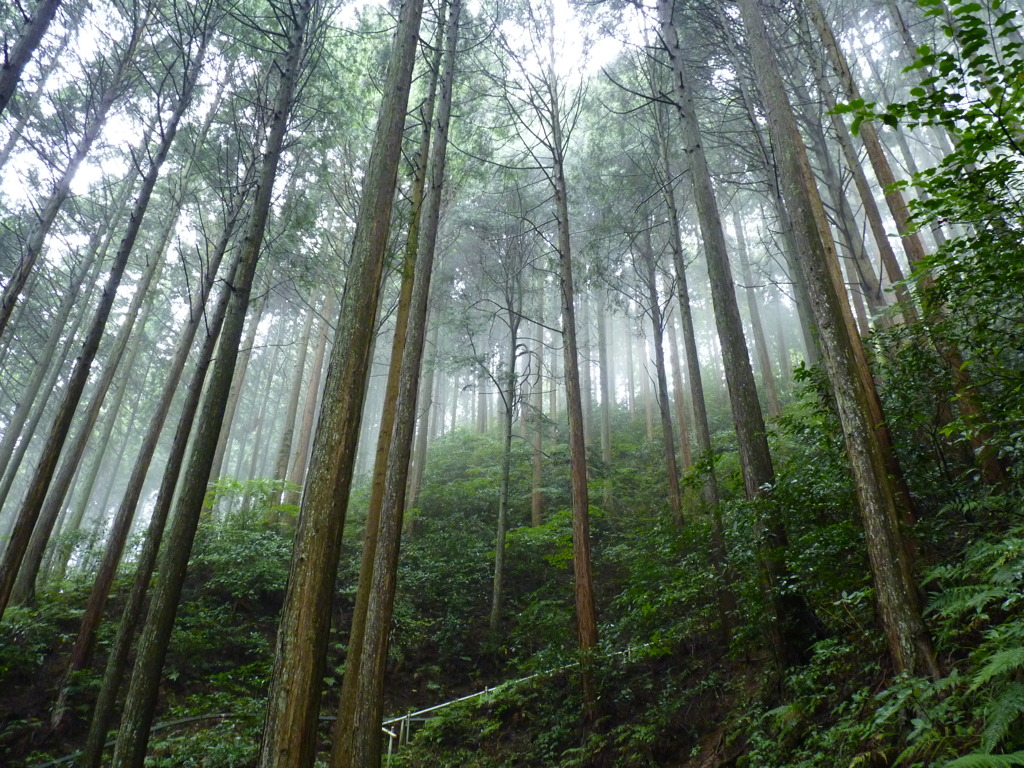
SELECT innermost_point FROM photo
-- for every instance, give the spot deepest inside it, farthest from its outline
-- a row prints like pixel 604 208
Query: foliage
pixel 972 89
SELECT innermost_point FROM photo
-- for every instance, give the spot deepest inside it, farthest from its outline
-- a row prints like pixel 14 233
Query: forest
pixel 506 383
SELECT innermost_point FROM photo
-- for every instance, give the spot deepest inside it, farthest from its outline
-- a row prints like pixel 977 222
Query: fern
pixel 987 761
pixel 1004 661
pixel 1002 714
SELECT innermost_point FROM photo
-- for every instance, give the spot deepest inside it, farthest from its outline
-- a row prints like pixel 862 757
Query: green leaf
pixel 987 761
pixel 1002 714
pixel 1005 661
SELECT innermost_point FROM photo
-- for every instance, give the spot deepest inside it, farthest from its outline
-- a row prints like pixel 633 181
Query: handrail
pixel 403 720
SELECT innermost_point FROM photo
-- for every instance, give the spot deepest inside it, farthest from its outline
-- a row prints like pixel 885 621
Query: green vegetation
pixel 685 673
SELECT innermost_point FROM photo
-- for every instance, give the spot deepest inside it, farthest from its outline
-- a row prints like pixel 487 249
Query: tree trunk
pixel 300 458
pixel 289 733
pixel 754 311
pixel 90 265
pixel 357 733
pixel 291 411
pixel 131 614
pixel 50 209
pixel 755 459
pixel 871 212
pixel 583 579
pixel 912 245
pixel 47 465
pixel 645 388
pixel 27 582
pixel 64 549
pixel 630 376
pixel 766 154
pixel 140 701
pixel 586 377
pixel 56 491
pixel 869 448
pixel 51 385
pixel 650 279
pixel 427 424
pixel 867 283
pixel 349 727
pixel 790 614
pixel 679 399
pixel 126 510
pixel 20 55
pixel 263 398
pixel 241 368
pixel 508 398
pixel 605 366
pixel 27 111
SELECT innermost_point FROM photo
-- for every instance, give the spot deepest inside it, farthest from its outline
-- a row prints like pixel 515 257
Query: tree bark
pixel 755 458
pixel 117 660
pixel 357 733
pixel 140 701
pixel 289 733
pixel 126 510
pixel 63 550
pixel 765 152
pixel 89 265
pixel 789 613
pixel 869 448
pixel 508 397
pixel 871 212
pixel 583 579
pixel 20 55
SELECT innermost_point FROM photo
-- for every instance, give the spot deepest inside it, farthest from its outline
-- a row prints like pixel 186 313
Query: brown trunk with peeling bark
pixel 289 732
pixel 869 449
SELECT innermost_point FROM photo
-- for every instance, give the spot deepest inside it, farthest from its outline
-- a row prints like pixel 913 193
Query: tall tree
pixel 105 89
pixel 649 279
pixel 868 446
pixel 18 56
pixel 190 66
pixel 296 23
pixel 289 733
pixel 789 613
pixel 357 734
